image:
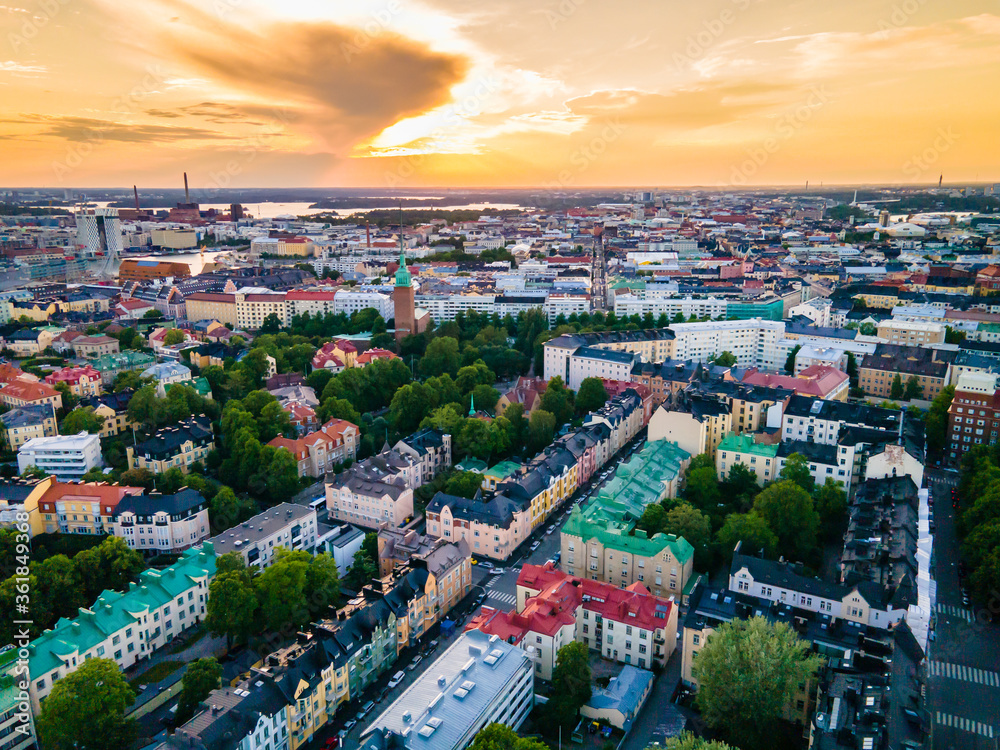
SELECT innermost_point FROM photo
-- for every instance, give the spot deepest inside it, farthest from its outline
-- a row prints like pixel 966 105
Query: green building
pixel 760 458
pixel 109 365
pixel 771 309
pixel 600 541
pixel 494 475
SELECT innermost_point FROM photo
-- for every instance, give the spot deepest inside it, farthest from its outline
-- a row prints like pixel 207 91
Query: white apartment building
pixel 628 304
pixel 316 303
pixel 753 342
pixel 818 310
pixel 252 308
pixel 126 627
pixel 162 524
pixel 863 603
pixel 287 526
pixel 480 680
pixel 590 362
pixel 565 304
pixel 64 456
pixel 351 301
pixel 444 307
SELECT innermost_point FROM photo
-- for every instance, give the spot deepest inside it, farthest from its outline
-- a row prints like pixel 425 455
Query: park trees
pixel 790 513
pixel 200 678
pixel 86 710
pixel 748 671
pixel 591 396
pixel 570 686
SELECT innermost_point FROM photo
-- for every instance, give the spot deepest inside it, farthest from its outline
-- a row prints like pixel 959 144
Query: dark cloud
pixel 79 129
pixel 342 81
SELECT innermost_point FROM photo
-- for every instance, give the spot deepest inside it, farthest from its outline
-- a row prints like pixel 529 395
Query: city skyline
pixel 563 95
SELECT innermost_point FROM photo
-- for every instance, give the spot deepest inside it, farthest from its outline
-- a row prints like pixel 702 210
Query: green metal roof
pixel 502 470
pixel 114 611
pixel 611 514
pixel 746 444
pixel 122 359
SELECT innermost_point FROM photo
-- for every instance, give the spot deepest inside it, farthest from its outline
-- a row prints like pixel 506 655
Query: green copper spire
pixel 472 405
pixel 403 274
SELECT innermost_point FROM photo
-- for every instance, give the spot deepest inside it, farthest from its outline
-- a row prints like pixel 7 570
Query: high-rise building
pixel 403 301
pixel 99 231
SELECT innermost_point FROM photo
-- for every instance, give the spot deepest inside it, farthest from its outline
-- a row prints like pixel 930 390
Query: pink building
pixel 82 381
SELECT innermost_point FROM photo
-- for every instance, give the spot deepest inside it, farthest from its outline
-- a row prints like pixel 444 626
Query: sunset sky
pixel 395 93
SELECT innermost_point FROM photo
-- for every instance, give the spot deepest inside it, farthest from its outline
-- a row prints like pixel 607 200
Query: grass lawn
pixel 156 673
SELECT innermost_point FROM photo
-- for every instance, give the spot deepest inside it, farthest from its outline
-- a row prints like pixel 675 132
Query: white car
pixel 486 564
pixel 534 546
pixel 497 572
pixel 396 679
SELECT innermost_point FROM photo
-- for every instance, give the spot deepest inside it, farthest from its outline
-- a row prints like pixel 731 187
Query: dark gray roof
pixel 180 503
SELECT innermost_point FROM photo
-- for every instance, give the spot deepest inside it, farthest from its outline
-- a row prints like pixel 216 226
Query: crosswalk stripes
pixel 966 725
pixel 966 674
pixel 499 596
pixel 952 611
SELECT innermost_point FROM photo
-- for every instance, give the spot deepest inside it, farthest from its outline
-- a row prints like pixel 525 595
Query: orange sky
pixel 563 94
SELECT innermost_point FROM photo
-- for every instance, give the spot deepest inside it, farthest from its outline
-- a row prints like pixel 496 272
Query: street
pixel 963 671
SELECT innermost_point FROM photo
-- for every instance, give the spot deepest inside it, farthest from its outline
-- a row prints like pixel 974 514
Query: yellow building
pixel 28 422
pixel 177 446
pixel 212 306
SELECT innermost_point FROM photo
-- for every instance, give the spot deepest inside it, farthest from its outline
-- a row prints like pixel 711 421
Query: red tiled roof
pixel 25 391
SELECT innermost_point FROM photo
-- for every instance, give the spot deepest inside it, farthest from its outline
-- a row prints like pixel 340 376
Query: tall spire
pixel 472 405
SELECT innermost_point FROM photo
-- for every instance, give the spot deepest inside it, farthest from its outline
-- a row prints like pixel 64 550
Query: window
pixel 696 639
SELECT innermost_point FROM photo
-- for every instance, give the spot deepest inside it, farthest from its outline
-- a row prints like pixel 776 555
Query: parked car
pixel 486 564
pixel 332 742
pixel 498 571
pixel 365 710
pixel 413 664
pixel 349 725
pixel 534 545
pixel 396 679
pixel 549 530
pixel 381 696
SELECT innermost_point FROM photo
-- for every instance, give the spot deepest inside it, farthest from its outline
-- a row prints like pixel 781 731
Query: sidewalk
pixel 207 645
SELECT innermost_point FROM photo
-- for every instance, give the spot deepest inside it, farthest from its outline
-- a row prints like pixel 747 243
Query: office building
pixel 285 526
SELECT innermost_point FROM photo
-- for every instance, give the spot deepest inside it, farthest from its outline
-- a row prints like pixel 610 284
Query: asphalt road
pixel 500 593
pixel 963 661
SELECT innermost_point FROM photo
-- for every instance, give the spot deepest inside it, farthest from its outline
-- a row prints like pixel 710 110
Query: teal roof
pixel 200 385
pixel 471 464
pixel 502 470
pixel 403 274
pixel 114 611
pixel 122 359
pixel 746 444
pixel 9 692
pixel 611 514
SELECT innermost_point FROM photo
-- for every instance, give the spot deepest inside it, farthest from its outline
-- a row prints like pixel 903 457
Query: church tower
pixel 403 301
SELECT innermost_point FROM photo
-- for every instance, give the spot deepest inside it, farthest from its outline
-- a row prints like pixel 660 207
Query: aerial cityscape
pixel 396 375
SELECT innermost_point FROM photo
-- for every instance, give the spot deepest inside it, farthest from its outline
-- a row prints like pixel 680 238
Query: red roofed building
pixel 21 393
pixel 82 381
pixel 627 625
pixel 817 381
pixel 988 280
pixel 528 392
pixel 366 358
pixel 318 452
pixel 618 387
pixel 132 309
pixel 73 508
pixel 302 416
pixel 9 374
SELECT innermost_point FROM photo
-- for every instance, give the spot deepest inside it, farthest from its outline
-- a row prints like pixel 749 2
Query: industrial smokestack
pixel 136 191
pixel 368 234
pixel 187 195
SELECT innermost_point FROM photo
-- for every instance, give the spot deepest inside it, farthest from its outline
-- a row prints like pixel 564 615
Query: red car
pixel 332 742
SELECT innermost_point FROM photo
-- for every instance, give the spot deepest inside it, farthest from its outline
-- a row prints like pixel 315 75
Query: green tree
pixel 231 607
pixel 937 419
pixel 790 359
pixel 687 741
pixel 570 687
pixel 867 329
pixel 726 359
pixel 82 420
pixel 541 430
pixel 913 388
pixel 985 579
pixel 339 408
pixel 591 396
pixel 791 515
pixel 558 400
pixel 694 526
pixel 701 489
pixel 748 671
pixel 410 405
pixel 896 389
pixel 653 519
pixel 701 461
pixel 852 369
pixel 281 591
pixel 474 439
pixel 322 583
pixel 86 710
pixel 796 468
pixel 464 483
pixel 740 486
pixel 501 737
pixel 137 478
pixel 270 324
pixel 831 504
pixel 226 510
pixel 445 418
pixel 200 678
pixel 150 314
pixel 282 475
pixel 441 357
pixel 69 399
pixel 749 529
pixel 173 336
pixel 518 425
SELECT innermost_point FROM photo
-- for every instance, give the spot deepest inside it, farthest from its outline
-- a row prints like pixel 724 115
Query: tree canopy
pixel 86 710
